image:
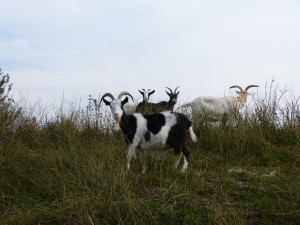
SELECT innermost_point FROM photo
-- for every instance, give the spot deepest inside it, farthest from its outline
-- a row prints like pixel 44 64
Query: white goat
pixel 218 107
pixel 161 131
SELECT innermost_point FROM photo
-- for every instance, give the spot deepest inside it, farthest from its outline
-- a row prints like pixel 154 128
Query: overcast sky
pixel 80 47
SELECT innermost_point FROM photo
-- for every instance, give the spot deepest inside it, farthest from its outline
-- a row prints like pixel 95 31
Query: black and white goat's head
pixel 116 104
pixel 146 94
pixel 173 95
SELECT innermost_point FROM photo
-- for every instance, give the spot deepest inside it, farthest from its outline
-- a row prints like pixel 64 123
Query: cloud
pixel 85 47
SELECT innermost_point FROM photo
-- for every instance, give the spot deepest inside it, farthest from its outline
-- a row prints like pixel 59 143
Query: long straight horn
pixel 125 93
pixel 237 86
pixel 107 95
pixel 250 86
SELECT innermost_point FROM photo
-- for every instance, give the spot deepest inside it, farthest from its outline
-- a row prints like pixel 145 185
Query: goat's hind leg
pixel 177 159
pixel 186 154
pixel 144 156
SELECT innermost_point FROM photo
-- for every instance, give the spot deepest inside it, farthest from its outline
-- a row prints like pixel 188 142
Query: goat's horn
pixel 237 86
pixel 176 89
pixel 169 89
pixel 125 93
pixel 107 95
pixel 250 86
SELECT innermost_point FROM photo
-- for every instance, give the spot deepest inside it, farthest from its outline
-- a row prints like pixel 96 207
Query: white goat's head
pixel 243 94
pixel 146 94
pixel 173 95
pixel 116 105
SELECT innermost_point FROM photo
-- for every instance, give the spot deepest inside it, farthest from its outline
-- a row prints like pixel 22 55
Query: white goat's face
pixel 116 109
pixel 146 94
pixel 242 98
pixel 243 94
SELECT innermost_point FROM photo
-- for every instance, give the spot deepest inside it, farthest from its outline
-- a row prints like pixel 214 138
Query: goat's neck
pixel 124 122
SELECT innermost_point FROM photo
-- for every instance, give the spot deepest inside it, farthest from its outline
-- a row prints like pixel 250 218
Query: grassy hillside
pixel 68 169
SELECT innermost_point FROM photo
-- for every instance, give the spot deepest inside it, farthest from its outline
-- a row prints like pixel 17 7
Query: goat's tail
pixel 193 135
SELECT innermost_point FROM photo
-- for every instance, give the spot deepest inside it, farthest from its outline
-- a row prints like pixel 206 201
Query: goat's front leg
pixel 144 161
pixel 131 153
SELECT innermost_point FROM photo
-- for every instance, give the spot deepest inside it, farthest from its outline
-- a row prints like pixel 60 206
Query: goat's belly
pixel 154 143
pixel 159 146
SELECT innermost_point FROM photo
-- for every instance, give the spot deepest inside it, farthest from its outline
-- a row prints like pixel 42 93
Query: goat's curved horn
pixel 176 89
pixel 107 95
pixel 170 89
pixel 250 86
pixel 125 93
pixel 237 86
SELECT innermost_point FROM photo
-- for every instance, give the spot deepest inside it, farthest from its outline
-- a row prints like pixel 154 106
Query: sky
pixel 75 48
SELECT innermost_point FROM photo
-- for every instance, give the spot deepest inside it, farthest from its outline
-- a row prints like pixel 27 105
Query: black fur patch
pixel 178 133
pixel 128 127
pixel 155 122
pixel 147 136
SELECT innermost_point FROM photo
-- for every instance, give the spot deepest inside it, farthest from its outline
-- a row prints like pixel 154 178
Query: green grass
pixel 69 171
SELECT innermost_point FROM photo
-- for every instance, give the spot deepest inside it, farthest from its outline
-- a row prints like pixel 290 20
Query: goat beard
pixel 118 119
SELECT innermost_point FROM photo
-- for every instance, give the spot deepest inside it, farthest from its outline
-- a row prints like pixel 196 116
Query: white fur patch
pixel 157 141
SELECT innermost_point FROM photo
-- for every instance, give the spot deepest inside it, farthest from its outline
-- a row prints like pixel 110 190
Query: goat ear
pixel 151 92
pixel 124 101
pixel 238 92
pixel 168 93
pixel 106 102
pixel 142 93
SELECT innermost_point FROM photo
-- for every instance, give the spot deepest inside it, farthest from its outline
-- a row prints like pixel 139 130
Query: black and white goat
pixel 145 106
pixel 156 131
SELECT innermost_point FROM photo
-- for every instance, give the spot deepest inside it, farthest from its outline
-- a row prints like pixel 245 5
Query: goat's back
pixel 162 106
pixel 145 108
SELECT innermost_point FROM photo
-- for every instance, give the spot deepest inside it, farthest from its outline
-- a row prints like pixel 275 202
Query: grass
pixel 70 170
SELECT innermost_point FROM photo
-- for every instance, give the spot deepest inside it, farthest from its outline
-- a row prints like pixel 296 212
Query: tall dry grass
pixel 69 168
